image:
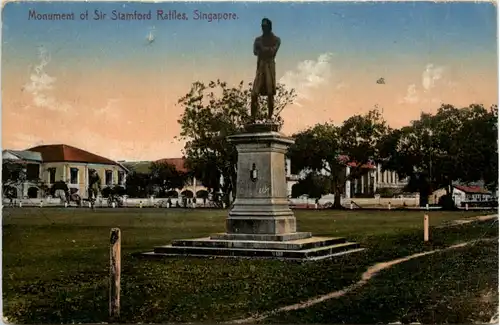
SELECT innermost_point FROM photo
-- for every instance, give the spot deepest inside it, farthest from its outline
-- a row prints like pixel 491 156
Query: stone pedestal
pixel 260 223
pixel 261 205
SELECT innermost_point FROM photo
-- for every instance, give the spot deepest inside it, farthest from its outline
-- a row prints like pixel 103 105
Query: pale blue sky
pixel 355 30
pixel 103 77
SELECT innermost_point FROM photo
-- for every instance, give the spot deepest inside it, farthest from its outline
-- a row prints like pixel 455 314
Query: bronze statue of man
pixel 265 48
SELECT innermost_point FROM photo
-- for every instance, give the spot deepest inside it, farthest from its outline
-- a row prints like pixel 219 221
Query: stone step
pixel 262 237
pixel 300 244
pixel 267 253
pixel 285 258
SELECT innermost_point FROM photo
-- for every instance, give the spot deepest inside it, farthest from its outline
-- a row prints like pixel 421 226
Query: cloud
pixel 411 95
pixel 110 109
pixel 430 75
pixel 40 83
pixel 342 85
pixel 308 74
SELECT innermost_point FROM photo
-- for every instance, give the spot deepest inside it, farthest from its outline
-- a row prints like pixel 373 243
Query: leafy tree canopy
pixel 212 112
pixel 138 185
pixel 455 144
pixel 314 185
pixel 166 176
pixel 328 147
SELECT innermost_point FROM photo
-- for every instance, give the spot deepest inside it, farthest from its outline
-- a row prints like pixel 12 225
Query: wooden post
pixel 426 228
pixel 114 274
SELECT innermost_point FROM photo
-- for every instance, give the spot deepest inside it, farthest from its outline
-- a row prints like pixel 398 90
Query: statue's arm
pixel 278 44
pixel 256 47
pixel 272 50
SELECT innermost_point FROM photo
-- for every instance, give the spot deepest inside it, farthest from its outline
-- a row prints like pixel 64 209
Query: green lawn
pixel 56 262
pixel 459 286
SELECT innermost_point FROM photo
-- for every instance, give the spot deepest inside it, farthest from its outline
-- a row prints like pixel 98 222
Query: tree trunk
pixel 423 198
pixel 423 187
pixel 337 189
pixel 449 202
pixel 337 204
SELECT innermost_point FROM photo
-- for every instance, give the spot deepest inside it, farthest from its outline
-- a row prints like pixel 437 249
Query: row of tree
pixel 160 180
pixel 455 144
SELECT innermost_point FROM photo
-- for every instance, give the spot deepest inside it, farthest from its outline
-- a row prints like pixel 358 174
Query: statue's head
pixel 267 26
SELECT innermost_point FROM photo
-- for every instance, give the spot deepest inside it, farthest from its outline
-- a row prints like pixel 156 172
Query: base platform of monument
pixel 260 223
pixel 300 246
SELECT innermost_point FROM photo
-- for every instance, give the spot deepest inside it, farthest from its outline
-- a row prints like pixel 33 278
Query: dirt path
pixel 365 277
pixel 467 220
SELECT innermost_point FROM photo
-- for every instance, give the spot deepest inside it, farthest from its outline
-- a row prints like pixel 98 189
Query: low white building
pixel 368 183
pixel 46 165
pixel 462 194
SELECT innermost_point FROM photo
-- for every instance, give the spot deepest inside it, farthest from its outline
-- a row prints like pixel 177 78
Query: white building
pixel 49 164
pixel 31 167
pixel 367 184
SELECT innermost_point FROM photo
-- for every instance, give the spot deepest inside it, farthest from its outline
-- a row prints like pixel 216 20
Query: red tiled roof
pixel 354 164
pixel 370 166
pixel 63 153
pixel 472 189
pixel 178 163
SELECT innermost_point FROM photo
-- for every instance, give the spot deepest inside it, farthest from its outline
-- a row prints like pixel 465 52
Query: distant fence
pixel 383 202
pixel 358 203
pixel 102 203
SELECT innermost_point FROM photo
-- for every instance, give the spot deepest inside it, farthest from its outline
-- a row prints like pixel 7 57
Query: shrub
pixel 388 192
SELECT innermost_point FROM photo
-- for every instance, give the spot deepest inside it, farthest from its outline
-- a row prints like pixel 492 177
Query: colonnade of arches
pixel 174 194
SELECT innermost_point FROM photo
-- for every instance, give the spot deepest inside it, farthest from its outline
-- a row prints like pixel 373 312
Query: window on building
pixel 52 175
pixel 32 172
pixel 73 175
pixel 109 177
pixel 121 177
